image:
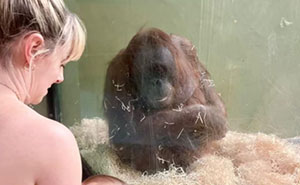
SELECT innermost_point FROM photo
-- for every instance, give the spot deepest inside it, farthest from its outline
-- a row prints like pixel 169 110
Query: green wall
pixel 251 49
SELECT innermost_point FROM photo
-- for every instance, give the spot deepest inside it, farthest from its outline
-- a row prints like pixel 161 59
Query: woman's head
pixel 33 31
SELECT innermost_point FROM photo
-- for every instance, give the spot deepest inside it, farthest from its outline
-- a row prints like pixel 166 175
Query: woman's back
pixel 34 149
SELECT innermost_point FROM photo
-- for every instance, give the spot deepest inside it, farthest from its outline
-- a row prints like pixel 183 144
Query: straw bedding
pixel 242 159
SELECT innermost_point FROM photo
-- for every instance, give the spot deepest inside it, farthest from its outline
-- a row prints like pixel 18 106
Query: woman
pixel 37 39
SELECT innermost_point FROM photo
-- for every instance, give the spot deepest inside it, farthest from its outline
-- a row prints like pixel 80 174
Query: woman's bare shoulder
pixel 45 147
pixel 59 152
pixel 51 135
pixel 22 119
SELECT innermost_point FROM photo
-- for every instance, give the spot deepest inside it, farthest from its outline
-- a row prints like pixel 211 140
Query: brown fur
pixel 151 139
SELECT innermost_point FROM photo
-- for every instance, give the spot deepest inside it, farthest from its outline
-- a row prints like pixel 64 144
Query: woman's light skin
pixel 34 149
pixel 37 39
pixel 46 151
pixel 38 68
pixel 47 68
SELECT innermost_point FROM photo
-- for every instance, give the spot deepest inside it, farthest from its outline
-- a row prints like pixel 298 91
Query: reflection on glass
pixel 251 48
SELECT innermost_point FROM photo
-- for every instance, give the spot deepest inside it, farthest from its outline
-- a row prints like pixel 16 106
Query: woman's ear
pixel 33 43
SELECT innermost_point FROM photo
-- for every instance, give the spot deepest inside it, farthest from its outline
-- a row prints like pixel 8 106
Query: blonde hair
pixel 50 18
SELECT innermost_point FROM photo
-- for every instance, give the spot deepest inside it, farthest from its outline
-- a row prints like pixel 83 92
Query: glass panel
pixel 250 48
